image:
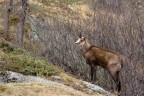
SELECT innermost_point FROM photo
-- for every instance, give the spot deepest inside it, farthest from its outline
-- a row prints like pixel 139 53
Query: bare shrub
pixel 122 31
pixel 116 25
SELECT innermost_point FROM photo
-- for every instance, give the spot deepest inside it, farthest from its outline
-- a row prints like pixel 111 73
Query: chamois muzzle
pixel 78 41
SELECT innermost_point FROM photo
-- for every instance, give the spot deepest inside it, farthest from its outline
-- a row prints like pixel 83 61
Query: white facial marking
pixel 78 41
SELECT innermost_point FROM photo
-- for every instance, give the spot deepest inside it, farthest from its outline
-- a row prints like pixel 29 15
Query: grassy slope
pixel 62 9
pixel 38 89
pixel 19 60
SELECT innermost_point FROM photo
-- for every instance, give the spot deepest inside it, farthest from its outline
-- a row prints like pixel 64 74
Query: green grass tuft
pixel 6 46
pixel 18 60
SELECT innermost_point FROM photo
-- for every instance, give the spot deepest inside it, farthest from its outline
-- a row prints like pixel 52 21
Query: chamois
pixel 107 59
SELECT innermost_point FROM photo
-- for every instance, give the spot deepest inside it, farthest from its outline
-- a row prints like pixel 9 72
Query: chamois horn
pixel 80 35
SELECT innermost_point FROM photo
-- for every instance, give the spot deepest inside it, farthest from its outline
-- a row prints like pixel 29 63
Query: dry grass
pixel 69 80
pixel 62 10
pixel 38 89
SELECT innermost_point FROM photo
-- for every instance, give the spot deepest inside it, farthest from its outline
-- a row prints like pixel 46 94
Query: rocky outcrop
pixel 9 77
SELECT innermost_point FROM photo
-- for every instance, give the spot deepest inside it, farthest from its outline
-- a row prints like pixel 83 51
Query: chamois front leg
pixel 93 73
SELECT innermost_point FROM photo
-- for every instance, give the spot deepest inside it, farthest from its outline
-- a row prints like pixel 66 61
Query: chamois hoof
pixel 95 82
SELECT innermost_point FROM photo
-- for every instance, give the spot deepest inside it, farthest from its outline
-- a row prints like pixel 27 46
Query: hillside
pixel 19 60
pixel 49 63
pixel 38 89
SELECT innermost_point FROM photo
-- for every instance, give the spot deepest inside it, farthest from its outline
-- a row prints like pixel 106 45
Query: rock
pixel 56 78
pixel 95 88
pixel 33 82
pixel 9 76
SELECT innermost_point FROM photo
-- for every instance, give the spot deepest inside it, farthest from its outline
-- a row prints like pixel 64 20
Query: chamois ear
pixel 84 38
pixel 80 35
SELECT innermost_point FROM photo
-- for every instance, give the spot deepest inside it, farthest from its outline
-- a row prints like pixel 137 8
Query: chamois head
pixel 81 40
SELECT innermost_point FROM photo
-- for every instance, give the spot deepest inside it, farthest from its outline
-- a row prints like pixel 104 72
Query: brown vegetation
pixel 39 89
pixel 113 24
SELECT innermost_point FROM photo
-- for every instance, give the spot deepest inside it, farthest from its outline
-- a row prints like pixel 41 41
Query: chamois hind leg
pixel 114 72
pixel 117 81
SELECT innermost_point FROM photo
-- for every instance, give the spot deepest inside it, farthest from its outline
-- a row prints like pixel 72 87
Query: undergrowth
pixel 19 60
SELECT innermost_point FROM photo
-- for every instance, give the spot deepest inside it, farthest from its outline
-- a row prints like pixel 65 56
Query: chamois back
pixel 102 57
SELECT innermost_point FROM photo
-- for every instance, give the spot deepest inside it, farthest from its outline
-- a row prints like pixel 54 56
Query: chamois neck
pixel 87 45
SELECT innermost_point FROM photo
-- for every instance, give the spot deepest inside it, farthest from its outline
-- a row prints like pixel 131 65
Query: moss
pixel 6 46
pixel 19 60
pixel 39 68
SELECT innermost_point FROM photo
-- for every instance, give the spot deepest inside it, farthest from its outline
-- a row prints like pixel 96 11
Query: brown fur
pixel 107 59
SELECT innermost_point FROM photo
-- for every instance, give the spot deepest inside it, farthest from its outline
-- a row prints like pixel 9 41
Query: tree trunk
pixel 7 12
pixel 22 17
pixel 21 29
